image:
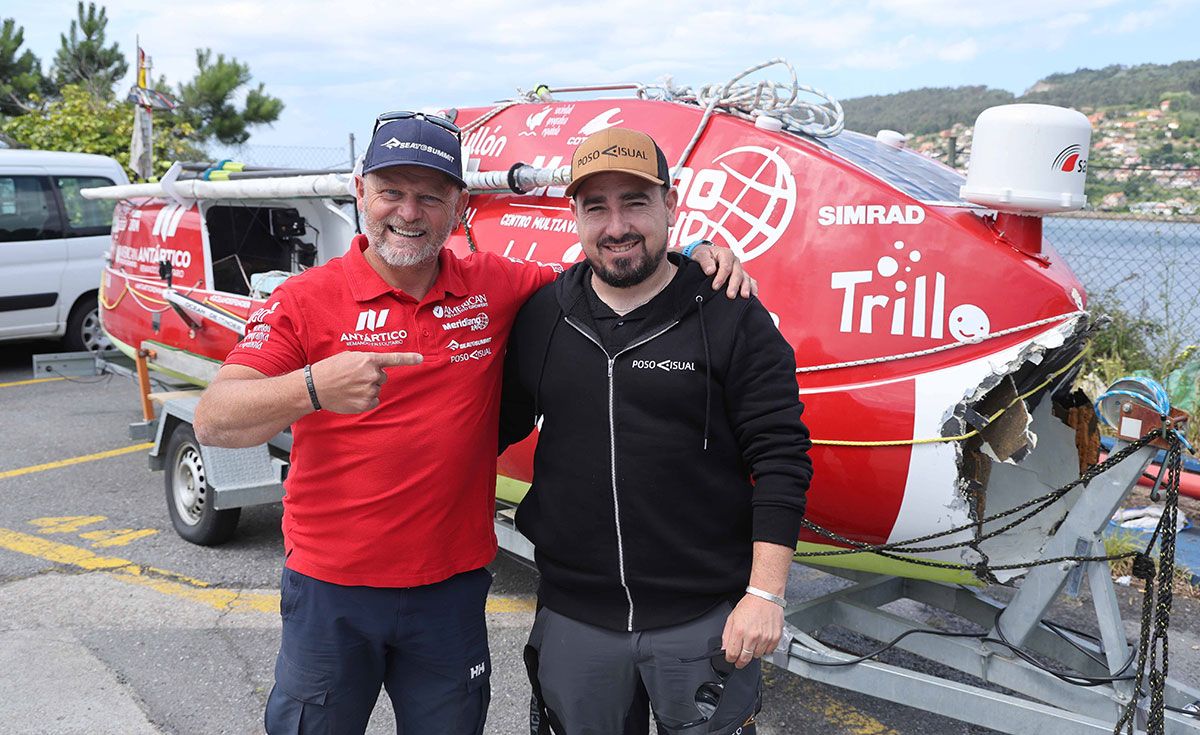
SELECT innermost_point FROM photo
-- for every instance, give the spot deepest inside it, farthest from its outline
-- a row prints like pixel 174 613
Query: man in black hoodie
pixel 670 472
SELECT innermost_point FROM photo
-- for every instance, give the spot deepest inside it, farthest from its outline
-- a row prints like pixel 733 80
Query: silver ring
pixel 747 650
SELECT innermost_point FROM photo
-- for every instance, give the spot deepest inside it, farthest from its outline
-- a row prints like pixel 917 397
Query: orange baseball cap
pixel 618 149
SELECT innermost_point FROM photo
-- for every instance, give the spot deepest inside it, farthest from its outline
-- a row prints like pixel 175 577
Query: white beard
pixel 377 232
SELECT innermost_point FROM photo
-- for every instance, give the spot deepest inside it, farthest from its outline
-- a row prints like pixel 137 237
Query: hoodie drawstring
pixel 707 368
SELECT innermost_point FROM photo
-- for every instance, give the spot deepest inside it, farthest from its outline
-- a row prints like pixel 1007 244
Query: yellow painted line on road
pixel 31 381
pixel 855 722
pixel 177 585
pixel 509 605
pixel 117 536
pixel 821 703
pixel 65 524
pixel 75 460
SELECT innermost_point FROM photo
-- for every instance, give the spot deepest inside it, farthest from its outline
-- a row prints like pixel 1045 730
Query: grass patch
pixel 1123 543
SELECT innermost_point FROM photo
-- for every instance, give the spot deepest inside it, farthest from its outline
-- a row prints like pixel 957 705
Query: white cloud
pixel 964 50
pixel 998 17
pixel 335 65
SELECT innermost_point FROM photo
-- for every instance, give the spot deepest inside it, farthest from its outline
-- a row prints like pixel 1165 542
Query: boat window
pixel 27 209
pixel 84 216
pixel 246 239
pixel 921 177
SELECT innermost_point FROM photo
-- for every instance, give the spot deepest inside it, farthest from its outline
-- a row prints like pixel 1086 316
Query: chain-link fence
pixel 1137 247
pixel 284 156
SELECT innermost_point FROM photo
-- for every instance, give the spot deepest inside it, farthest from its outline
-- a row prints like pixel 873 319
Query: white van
pixel 52 245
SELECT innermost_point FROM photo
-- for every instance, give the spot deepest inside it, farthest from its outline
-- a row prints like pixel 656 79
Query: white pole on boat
pixel 520 179
pixel 283 187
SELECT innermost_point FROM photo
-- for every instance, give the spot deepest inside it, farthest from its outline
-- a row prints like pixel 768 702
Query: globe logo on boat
pixel 746 203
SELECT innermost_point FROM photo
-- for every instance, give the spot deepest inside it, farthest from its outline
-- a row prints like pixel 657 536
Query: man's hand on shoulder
pixel 728 270
pixel 349 382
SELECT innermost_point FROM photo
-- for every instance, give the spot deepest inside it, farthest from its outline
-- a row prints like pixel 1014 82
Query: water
pixel 1151 268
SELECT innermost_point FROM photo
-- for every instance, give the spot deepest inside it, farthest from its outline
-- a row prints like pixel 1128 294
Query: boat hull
pixel 908 311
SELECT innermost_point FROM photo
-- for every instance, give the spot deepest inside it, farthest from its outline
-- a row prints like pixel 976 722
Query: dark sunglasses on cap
pixel 438 120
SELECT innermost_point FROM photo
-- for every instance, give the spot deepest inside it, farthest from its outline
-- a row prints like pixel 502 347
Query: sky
pixel 337 64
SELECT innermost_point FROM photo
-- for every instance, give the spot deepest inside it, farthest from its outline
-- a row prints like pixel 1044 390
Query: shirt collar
pixel 366 284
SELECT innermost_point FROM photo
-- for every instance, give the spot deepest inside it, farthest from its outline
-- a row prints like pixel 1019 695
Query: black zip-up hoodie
pixel 658 465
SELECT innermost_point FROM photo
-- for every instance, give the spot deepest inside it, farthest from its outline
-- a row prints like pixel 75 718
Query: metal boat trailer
pixel 1012 695
pixel 1005 693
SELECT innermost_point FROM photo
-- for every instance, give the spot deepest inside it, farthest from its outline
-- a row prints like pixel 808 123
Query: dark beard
pixel 627 271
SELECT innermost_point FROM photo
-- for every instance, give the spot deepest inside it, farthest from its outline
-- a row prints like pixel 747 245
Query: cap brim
pixel 640 174
pixel 397 164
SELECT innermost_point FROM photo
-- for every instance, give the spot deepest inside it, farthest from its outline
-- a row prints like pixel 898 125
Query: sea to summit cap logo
pixel 1070 160
pixel 391 143
pixel 620 151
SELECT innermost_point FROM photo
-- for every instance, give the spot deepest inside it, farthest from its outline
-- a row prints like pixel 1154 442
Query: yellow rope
pixel 941 439
pixel 109 307
pixel 223 310
pixel 151 299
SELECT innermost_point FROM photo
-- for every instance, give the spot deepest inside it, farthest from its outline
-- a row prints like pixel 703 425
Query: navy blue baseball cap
pixel 415 139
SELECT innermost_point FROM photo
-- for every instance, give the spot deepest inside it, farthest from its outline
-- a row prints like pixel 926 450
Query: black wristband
pixel 312 389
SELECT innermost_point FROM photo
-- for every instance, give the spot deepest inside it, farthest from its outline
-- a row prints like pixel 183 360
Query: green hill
pixel 1144 85
pixel 929 110
pixel 921 111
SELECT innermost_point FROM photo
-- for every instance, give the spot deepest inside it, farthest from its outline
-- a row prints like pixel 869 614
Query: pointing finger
pixel 396 359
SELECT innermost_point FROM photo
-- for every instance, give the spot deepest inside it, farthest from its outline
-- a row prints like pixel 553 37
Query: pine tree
pixel 83 58
pixel 207 100
pixel 20 72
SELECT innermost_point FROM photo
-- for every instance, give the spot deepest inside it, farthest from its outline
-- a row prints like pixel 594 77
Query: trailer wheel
pixel 189 496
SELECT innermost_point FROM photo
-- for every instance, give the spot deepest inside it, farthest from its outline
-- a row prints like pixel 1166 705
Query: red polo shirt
pixel 403 494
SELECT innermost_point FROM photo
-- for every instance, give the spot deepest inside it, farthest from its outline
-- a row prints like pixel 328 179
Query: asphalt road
pixel 110 623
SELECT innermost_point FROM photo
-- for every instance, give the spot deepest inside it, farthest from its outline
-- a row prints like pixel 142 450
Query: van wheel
pixel 83 327
pixel 189 496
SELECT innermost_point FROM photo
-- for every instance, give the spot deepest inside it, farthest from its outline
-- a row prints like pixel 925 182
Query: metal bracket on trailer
pixel 1039 701
pixel 507 535
pixel 238 477
pixel 1034 700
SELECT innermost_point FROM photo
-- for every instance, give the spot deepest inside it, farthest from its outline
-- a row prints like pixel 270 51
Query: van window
pixel 27 209
pixel 84 216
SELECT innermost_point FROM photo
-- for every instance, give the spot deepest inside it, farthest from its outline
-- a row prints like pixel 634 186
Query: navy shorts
pixel 427 646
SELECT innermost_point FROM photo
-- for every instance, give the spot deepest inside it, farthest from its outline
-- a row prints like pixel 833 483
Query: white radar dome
pixel 1028 159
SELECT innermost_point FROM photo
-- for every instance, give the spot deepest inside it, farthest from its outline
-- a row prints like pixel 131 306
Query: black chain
pixel 1036 504
pixel 1156 603
pixel 1156 600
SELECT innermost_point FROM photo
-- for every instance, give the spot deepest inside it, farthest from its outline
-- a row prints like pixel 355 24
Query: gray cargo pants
pixel 585 677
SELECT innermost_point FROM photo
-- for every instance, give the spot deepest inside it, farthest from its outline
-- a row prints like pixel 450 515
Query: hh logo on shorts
pixel 478 670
